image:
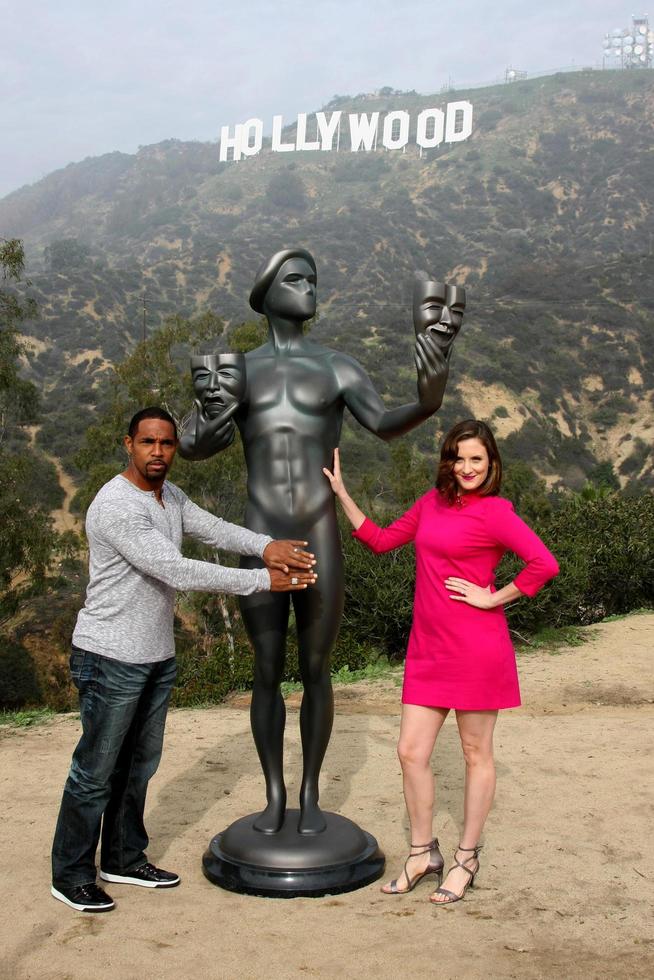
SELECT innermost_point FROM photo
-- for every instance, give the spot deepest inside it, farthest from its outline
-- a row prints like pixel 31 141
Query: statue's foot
pixel 312 820
pixel 271 819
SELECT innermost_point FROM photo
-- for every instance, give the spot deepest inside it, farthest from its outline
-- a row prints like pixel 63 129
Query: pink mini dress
pixel 460 656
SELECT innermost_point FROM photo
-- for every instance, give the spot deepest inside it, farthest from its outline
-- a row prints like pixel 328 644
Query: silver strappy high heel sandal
pixel 435 867
pixel 451 897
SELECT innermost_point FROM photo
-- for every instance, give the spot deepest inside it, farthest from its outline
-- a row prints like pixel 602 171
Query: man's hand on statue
pixel 286 555
pixel 433 367
pixel 334 476
pixel 292 581
pixel 473 594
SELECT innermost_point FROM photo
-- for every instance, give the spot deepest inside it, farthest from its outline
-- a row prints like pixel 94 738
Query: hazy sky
pixel 81 77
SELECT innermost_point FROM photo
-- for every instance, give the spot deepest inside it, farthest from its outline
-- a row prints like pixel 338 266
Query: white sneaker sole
pixel 127 880
pixel 78 907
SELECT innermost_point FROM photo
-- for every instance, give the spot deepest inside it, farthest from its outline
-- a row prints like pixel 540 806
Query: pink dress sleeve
pixel 505 527
pixel 400 532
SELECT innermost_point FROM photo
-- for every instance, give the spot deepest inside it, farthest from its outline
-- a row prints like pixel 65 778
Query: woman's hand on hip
pixel 473 594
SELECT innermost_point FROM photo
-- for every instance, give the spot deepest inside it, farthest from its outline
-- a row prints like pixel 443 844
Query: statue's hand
pixel 204 436
pixel 433 368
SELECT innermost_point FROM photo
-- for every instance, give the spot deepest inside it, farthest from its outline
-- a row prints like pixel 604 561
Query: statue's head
pixel 438 309
pixel 286 285
pixel 218 381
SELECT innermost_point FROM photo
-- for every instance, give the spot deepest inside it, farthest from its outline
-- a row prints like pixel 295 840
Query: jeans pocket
pixel 83 667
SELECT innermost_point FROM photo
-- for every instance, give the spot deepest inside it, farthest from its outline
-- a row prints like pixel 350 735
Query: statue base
pixel 288 864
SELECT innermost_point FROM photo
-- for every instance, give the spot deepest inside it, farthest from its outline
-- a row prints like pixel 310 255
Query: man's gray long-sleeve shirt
pixel 136 566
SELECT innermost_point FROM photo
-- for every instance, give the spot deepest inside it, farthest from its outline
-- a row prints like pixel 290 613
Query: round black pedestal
pixel 291 865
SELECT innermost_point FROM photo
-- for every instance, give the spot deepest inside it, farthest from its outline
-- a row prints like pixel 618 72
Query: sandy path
pixel 63 518
pixel 566 887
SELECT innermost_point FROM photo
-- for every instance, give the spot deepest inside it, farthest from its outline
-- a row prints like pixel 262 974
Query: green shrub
pixel 378 597
pixel 208 669
pixel 19 685
pixel 636 459
pixel 286 190
pixel 210 673
pixel 605 548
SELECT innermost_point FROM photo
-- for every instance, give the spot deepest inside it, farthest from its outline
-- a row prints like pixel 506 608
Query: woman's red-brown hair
pixel 469 429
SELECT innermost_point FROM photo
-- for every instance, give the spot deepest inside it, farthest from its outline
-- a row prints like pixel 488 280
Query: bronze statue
pixel 290 419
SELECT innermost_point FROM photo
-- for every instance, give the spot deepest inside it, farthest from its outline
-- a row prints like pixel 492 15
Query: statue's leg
pixel 318 613
pixel 265 615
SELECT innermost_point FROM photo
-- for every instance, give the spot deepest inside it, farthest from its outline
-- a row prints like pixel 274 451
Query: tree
pixel 286 190
pixel 18 398
pixel 157 373
pixel 67 254
pixel 28 538
pixel 526 491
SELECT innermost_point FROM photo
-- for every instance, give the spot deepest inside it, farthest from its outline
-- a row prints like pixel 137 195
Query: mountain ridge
pixel 544 214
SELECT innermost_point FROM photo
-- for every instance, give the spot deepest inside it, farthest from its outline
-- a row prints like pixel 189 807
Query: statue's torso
pixel 290 423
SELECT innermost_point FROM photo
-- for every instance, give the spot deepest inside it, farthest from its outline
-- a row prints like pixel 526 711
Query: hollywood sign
pixel 365 130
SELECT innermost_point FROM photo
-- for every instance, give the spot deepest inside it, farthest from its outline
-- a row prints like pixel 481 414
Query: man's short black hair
pixel 153 412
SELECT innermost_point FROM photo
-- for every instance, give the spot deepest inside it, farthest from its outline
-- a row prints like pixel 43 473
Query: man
pixel 123 657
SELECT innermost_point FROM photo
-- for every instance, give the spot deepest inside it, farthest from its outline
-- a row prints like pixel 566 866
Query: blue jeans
pixel 123 711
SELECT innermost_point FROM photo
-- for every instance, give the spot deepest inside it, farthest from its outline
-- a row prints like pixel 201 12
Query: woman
pixel 459 655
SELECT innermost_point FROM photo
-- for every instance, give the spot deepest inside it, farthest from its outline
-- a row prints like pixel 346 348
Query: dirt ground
pixel 566 887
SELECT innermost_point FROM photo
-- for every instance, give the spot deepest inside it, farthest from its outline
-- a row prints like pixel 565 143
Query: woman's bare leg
pixel 419 729
pixel 476 731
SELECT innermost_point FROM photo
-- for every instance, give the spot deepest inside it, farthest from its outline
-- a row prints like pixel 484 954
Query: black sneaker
pixel 85 898
pixel 147 875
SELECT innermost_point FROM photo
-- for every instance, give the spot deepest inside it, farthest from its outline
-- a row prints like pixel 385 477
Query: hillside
pixel 544 214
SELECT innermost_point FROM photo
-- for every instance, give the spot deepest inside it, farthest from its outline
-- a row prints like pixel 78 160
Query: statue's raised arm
pixel 437 318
